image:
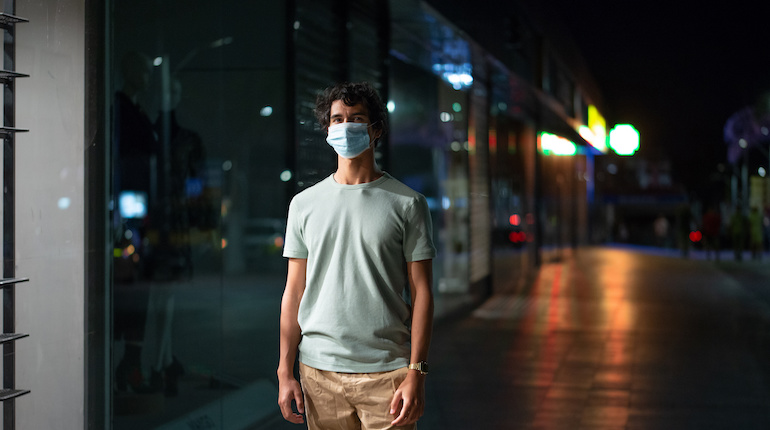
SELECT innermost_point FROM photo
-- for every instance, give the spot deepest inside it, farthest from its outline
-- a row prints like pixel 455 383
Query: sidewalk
pixel 611 338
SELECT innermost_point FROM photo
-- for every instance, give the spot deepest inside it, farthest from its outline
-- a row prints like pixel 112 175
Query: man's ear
pixel 377 134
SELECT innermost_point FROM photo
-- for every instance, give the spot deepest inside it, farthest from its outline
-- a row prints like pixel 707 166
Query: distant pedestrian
pixel 660 226
pixel 683 228
pixel 712 229
pixel 738 233
pixel 755 233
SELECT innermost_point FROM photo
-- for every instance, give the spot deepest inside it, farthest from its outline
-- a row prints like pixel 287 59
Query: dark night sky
pixel 676 70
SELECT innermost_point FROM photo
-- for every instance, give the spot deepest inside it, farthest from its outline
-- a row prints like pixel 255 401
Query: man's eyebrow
pixel 361 113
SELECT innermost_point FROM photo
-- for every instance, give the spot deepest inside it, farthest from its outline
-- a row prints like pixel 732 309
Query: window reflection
pixel 200 184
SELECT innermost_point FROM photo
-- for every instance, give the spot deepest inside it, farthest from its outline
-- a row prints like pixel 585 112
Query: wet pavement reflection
pixel 611 339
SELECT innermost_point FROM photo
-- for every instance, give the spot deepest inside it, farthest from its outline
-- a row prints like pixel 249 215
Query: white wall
pixel 49 237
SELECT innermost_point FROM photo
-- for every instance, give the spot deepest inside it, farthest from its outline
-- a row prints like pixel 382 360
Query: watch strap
pixel 421 367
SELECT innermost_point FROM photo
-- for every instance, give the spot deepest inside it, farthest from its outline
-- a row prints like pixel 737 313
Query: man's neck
pixel 359 170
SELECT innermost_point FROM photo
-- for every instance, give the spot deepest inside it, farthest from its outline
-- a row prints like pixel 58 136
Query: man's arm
pixel 408 403
pixel 288 388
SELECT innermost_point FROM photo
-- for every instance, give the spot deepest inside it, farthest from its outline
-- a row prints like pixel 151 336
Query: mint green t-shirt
pixel 357 240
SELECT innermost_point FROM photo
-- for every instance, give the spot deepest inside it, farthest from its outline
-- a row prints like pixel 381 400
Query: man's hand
pixel 288 391
pixel 291 334
pixel 408 402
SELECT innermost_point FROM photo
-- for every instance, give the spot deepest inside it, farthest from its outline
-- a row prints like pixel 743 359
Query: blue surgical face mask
pixel 349 139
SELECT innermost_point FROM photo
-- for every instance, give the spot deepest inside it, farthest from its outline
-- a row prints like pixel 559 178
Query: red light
pixel 517 236
pixel 530 218
pixel 493 140
pixel 695 236
pixel 515 220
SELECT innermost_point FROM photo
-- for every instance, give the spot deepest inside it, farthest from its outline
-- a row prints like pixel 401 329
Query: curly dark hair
pixel 352 94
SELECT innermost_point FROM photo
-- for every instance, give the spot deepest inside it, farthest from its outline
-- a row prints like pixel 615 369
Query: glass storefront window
pixel 200 189
pixel 429 146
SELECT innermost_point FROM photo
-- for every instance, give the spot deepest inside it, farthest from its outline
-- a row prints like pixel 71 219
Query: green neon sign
pixel 624 139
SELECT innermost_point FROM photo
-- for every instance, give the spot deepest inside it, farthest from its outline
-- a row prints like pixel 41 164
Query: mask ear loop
pixel 376 140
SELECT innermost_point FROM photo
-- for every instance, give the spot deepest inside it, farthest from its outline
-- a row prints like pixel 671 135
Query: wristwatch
pixel 421 367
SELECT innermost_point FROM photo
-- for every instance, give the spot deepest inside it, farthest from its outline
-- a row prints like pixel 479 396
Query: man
pixel 355 241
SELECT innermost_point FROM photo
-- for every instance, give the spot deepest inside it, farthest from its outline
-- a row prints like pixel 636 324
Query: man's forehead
pixel 339 107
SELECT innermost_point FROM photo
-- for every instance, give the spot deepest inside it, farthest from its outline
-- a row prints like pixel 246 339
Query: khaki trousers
pixel 350 401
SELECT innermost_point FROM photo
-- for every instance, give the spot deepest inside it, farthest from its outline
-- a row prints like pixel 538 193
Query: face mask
pixel 349 139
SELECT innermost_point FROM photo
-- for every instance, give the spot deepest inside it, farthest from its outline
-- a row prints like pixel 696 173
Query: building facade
pixel 166 140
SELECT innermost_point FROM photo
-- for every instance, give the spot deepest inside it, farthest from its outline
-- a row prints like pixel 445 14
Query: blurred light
pixel 460 80
pixel 515 219
pixel 157 61
pixel 517 237
pixel 530 218
pixel 456 146
pixel 612 169
pixel 446 203
pixel 278 242
pixel 221 42
pixel 695 236
pixel 193 187
pixel 391 106
pixel 597 141
pixel 457 107
pixel 296 25
pixel 224 243
pixel 286 175
pixel 266 111
pixel 458 75
pixel 502 106
pixel 445 116
pixel 765 130
pixel 624 139
pixel 492 139
pixel 551 144
pixel 132 204
pixel 762 172
pixel 128 234
pixel 596 131
pixel 227 165
pixel 743 143
pixel 64 203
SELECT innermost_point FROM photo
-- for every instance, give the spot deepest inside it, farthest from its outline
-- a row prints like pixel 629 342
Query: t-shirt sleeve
pixel 294 244
pixel 418 232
